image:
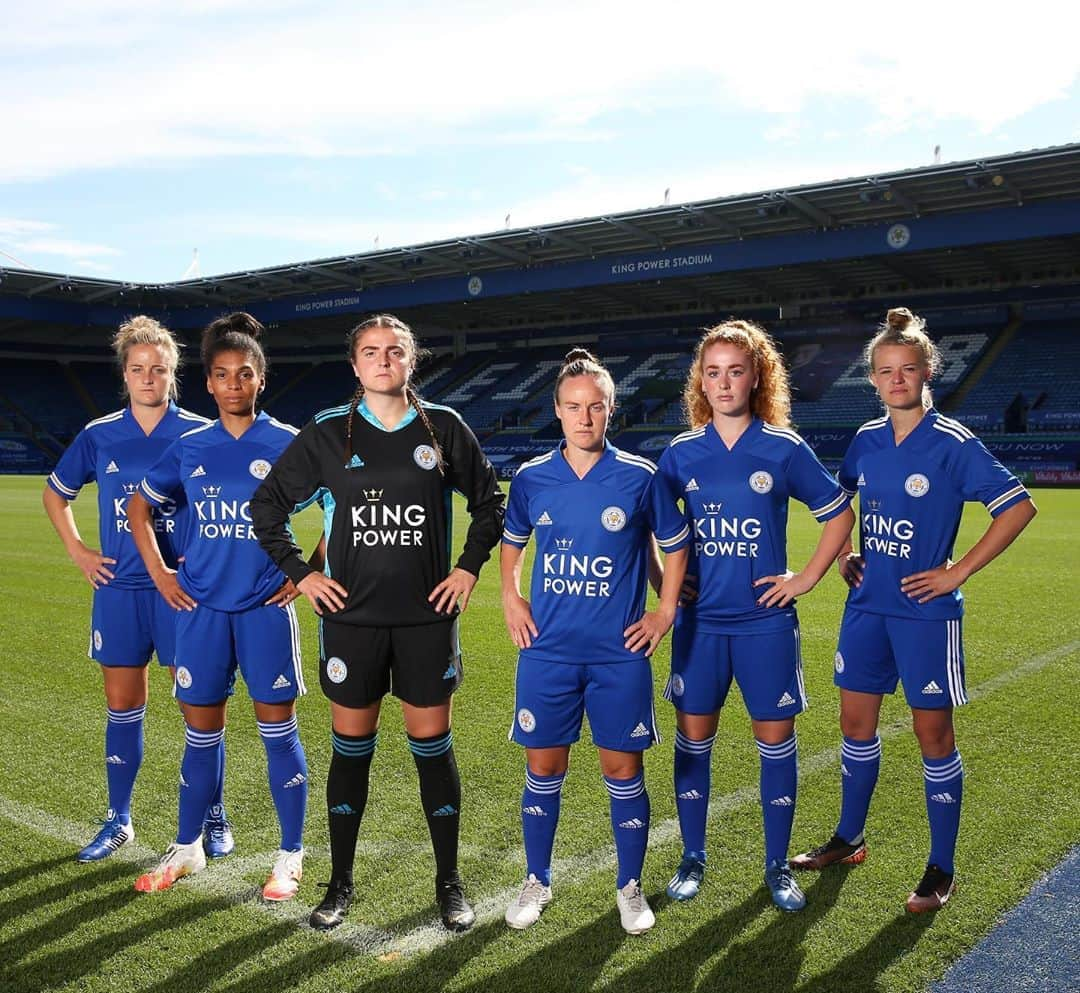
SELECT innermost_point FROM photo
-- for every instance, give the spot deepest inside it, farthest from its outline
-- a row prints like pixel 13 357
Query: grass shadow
pixel 15 876
pixel 81 882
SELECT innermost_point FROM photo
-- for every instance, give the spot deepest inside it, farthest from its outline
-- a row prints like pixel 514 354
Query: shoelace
pixel 634 899
pixel 531 892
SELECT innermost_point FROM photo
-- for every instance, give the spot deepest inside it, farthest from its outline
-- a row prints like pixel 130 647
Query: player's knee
pixel 934 730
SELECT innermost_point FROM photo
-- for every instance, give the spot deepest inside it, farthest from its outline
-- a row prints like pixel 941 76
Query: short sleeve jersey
pixel 736 503
pixel 911 497
pixel 115 452
pixel 592 547
pixel 224 567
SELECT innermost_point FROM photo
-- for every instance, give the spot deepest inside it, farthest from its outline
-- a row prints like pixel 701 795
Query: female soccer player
pixel 235 606
pixel 385 465
pixel 129 620
pixel 735 471
pixel 585 637
pixel 913 470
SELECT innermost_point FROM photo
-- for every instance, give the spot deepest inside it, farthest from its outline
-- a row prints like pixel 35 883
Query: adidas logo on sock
pixel 942 798
pixel 690 795
pixel 633 824
pixel 447 811
pixel 112 467
pixel 787 700
pixel 844 770
pixel 544 518
pixel 199 471
pixel 280 683
pixel 782 801
pixel 451 671
pixel 534 811
pixel 183 781
pixel 692 486
pixel 342 808
pixel 298 780
pixel 932 687
pixel 114 760
pixel 640 731
pixel 355 463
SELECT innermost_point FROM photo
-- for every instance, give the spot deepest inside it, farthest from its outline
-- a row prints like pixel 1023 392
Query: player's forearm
pixel 62 519
pixel 142 533
pixel 1002 532
pixel 835 539
pixel 674 573
pixel 510 559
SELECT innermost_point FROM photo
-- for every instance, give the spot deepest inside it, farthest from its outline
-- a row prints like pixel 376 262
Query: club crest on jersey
pixel 838 662
pixel 211 492
pixel 678 687
pixel 336 670
pixel 260 468
pixel 613 518
pixel 424 456
pixel 97 641
pixel 564 544
pixel 183 677
pixel 526 721
pixel 761 481
pixel 129 489
pixel 916 485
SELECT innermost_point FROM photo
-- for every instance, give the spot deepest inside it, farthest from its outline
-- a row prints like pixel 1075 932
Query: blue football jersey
pixel 115 452
pixel 592 546
pixel 223 566
pixel 911 497
pixel 736 503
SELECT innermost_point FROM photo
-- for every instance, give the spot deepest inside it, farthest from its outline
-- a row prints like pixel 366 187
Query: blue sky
pixel 273 132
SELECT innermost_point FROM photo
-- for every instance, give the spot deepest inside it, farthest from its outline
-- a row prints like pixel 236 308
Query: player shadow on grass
pixel 18 874
pixel 75 880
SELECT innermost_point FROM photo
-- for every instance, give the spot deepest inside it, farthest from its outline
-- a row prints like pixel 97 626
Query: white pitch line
pixel 225 877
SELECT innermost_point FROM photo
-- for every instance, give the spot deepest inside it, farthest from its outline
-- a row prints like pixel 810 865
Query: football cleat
pixel 635 914
pixel 113 835
pixel 933 891
pixel 217 833
pixel 285 876
pixel 526 907
pixel 834 851
pixel 177 862
pixel 783 889
pixel 686 882
pixel 335 905
pixel 454 909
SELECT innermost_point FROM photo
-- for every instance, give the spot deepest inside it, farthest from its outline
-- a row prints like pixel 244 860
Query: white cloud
pixel 25 241
pixel 117 83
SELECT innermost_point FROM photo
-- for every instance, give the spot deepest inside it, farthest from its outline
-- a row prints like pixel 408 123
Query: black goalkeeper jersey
pixel 386 510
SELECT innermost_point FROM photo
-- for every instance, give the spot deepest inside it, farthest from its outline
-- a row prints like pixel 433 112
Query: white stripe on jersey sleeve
pixel 66 490
pixel 639 461
pixel 688 435
pixel 945 429
pixel 515 539
pixel 284 427
pixel 539 460
pixel 778 432
pixel 1006 497
pixel 820 512
pixel 674 541
pixel 187 415
pixel 107 419
pixel 955 425
pixel 202 427
pixel 874 425
pixel 152 494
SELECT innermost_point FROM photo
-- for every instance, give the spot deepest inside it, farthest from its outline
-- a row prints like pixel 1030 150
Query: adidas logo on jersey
pixel 355 463
pixel 451 671
pixel 932 687
pixel 639 732
pixel 342 808
pixel 692 486
pixel 544 518
pixel 199 471
pixel 298 780
pixel 447 811
pixel 112 467
pixel 782 801
pixel 114 760
pixel 280 683
pixel 862 480
pixel 633 824
pixel 942 798
pixel 534 811
pixel 690 795
pixel 787 700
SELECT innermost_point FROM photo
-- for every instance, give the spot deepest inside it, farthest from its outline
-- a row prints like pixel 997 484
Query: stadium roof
pixel 1008 181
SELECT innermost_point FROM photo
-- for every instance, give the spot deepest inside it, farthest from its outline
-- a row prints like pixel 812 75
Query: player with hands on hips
pixel 129 621
pixel 735 471
pixel 913 469
pixel 234 605
pixel 584 635
pixel 385 465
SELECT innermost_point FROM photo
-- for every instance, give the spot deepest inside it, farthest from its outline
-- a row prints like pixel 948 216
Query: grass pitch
pixel 69 927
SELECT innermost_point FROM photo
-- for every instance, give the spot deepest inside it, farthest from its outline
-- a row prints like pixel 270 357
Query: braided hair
pixel 408 339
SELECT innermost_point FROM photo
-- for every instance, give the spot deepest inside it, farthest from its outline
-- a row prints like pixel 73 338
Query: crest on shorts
pixel 678 687
pixel 526 721
pixel 336 670
pixel 916 485
pixel 761 481
pixel 424 456
pixel 183 677
pixel 260 468
pixel 97 640
pixel 613 518
pixel 838 662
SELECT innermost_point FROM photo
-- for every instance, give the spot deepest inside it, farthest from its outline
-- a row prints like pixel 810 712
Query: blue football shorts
pixel 128 626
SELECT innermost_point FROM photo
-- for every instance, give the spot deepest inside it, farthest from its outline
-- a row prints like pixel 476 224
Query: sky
pixel 276 132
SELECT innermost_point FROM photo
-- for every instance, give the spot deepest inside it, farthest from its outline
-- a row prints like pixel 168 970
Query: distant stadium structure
pixel 987 250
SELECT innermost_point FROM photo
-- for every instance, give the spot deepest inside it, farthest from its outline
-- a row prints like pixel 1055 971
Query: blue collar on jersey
pixel 754 427
pixel 261 417
pixel 129 417
pixel 365 412
pixel 606 456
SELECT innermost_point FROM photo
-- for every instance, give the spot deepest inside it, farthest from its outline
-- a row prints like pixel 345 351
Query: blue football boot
pixel 113 835
pixel 783 889
pixel 217 833
pixel 687 880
